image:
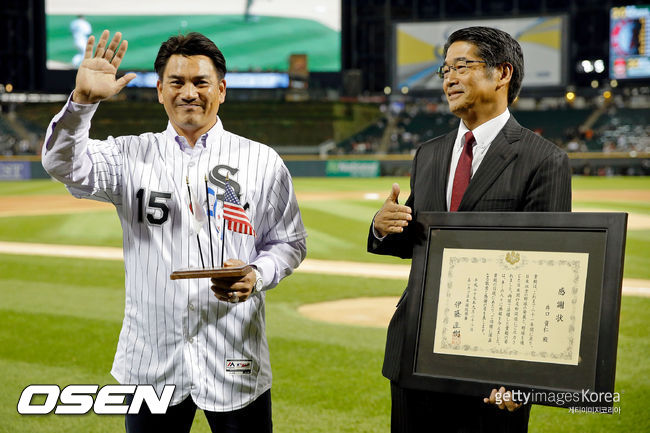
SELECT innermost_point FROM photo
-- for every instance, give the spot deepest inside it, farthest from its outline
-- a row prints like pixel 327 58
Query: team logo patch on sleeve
pixel 239 366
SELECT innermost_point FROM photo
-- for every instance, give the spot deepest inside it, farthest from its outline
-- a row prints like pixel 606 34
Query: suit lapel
pixel 501 152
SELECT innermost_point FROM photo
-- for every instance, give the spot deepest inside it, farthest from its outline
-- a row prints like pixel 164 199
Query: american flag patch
pixel 234 214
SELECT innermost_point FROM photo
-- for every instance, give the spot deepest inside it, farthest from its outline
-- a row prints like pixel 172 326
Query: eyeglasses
pixel 461 67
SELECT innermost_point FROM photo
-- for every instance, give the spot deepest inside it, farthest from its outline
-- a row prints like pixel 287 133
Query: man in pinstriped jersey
pixel 206 337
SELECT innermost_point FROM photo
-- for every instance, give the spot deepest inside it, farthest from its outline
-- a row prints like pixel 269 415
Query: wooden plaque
pixel 233 272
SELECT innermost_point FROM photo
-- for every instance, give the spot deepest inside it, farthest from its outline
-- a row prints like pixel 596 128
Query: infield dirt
pixel 360 311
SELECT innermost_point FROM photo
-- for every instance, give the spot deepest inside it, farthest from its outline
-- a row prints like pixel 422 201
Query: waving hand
pixel 96 77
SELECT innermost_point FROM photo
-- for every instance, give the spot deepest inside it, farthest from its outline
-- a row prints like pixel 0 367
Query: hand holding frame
pixel 502 399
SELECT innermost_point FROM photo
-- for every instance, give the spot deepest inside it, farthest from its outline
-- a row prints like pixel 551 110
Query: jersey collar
pixel 202 143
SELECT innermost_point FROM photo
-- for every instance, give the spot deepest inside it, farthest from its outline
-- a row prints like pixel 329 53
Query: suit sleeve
pixel 397 244
pixel 550 186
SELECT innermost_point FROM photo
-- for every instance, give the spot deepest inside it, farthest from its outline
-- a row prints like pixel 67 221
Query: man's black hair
pixel 192 44
pixel 496 47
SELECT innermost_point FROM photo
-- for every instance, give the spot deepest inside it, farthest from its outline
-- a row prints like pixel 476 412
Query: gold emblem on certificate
pixel 518 305
pixel 512 257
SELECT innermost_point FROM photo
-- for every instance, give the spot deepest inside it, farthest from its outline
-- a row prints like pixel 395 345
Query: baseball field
pixel 61 305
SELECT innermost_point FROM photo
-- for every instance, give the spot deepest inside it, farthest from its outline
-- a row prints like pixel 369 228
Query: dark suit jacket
pixel 521 171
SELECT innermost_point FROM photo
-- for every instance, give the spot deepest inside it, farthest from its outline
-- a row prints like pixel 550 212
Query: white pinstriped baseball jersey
pixel 177 332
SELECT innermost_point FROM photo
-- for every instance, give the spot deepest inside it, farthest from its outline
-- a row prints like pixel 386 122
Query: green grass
pixel 615 182
pixel 615 206
pixel 337 228
pixel 32 187
pixel 342 184
pixel 637 254
pixel 632 381
pixel 61 318
pixel 91 228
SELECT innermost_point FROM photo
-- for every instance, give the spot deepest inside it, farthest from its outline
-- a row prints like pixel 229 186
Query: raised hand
pixel 392 217
pixel 96 77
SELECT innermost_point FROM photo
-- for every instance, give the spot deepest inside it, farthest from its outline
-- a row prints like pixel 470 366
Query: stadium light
pixel 387 90
pixel 404 90
pixel 570 96
pixel 613 83
pixel 607 94
pixel 9 87
pixel 587 66
pixel 594 84
pixel 599 66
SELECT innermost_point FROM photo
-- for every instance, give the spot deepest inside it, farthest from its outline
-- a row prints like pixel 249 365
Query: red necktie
pixel 463 172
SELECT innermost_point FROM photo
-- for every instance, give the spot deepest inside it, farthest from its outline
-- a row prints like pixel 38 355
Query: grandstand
pixel 336 129
pixel 623 129
pixel 361 110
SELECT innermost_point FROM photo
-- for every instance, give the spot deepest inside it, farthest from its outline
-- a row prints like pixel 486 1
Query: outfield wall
pixel 591 163
pixel 620 163
pixel 21 168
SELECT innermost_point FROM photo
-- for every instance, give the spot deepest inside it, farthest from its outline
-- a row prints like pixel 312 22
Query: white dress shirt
pixel 484 135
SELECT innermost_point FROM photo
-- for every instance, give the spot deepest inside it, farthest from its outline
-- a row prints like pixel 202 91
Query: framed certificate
pixel 529 301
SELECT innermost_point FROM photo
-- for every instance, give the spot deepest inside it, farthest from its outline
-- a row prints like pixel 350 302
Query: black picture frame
pixel 590 383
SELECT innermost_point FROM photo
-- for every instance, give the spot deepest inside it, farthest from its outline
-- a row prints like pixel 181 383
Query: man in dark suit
pixel 491 164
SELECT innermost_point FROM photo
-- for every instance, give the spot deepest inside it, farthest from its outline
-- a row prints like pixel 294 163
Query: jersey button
pixel 190 340
pixel 191 307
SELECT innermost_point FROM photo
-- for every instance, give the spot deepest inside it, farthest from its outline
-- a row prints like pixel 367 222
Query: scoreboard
pixel 629 42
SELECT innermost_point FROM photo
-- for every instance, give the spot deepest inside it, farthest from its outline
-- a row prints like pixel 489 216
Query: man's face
pixel 472 92
pixel 191 92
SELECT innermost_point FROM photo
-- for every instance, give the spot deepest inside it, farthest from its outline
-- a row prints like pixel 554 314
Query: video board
pixel 629 53
pixel 254 35
pixel 419 49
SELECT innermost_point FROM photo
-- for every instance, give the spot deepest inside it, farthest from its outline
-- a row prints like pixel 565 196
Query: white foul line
pixel 634 287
